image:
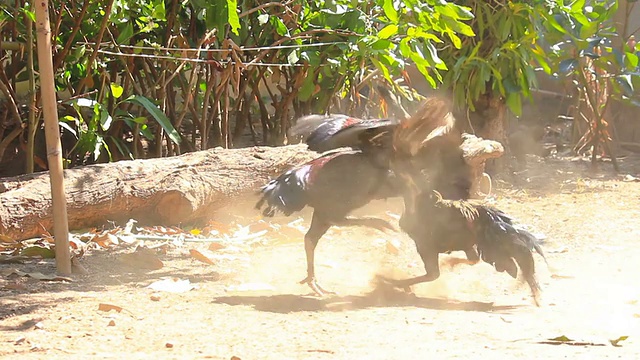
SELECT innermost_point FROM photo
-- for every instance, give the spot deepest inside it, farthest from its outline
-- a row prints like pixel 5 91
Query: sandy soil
pixel 249 303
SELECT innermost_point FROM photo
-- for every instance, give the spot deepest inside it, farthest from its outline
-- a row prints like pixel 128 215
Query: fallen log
pixel 184 189
pixel 168 191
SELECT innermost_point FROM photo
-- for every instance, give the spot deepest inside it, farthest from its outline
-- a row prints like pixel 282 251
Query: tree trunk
pixel 182 189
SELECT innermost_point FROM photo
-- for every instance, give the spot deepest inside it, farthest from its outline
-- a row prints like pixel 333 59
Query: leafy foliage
pixel 586 47
pixel 586 32
pixel 201 69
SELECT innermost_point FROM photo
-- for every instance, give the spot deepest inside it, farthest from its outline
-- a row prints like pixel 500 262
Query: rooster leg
pixel 318 228
pixel 430 259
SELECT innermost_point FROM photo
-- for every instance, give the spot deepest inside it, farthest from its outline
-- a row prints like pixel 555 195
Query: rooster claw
pixel 395 283
pixel 317 289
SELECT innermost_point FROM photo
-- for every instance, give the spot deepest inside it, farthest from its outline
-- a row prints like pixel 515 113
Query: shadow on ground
pixel 380 297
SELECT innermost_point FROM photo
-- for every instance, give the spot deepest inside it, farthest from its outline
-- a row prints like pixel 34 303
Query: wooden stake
pixel 52 134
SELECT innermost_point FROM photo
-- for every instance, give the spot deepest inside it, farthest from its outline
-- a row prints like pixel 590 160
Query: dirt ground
pixel 249 305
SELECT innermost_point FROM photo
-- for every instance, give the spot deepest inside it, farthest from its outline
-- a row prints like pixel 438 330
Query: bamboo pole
pixel 33 119
pixel 52 134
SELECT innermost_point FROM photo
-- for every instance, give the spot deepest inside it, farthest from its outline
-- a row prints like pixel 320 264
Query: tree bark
pixel 182 189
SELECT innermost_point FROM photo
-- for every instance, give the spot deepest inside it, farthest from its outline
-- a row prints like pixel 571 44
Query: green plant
pixel 92 132
pixel 586 46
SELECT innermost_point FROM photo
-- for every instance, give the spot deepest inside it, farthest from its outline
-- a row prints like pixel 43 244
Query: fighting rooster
pixel 482 232
pixel 420 159
pixel 429 159
pixel 337 182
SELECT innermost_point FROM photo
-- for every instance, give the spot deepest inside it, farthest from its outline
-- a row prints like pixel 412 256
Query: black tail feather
pixel 326 132
pixel 286 193
pixel 317 130
pixel 504 245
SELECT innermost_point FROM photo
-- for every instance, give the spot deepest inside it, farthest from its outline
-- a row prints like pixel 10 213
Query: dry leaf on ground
pixel 201 256
pixel 109 307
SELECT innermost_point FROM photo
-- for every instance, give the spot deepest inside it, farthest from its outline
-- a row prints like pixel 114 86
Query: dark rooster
pixel 341 181
pixel 334 184
pixel 338 182
pixel 482 232
pixel 428 157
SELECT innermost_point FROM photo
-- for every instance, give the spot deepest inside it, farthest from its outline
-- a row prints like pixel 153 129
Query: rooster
pixel 482 232
pixel 438 214
pixel 341 180
pixel 334 185
pixel 419 158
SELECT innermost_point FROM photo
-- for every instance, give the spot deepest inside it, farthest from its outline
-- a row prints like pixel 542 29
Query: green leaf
pixel 455 39
pixel 390 10
pixel 144 129
pixel 514 102
pixel 433 56
pixel 561 338
pixel 30 15
pixel 589 30
pixel 388 31
pixel 159 12
pixel 122 147
pixel 463 12
pixel 307 89
pixel 425 72
pixel 126 33
pixel 554 24
pixel 616 342
pixel 381 45
pixel 97 148
pixel 632 59
pixel 542 61
pixel 140 120
pixel 105 119
pixel 116 90
pixel 577 6
pixel 157 114
pixel 311 56
pixel 281 28
pixel 383 69
pixel 234 20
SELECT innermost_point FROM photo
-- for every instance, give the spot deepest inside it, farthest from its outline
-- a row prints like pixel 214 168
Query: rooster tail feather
pixel 317 131
pixel 532 242
pixel 504 246
pixel 522 255
pixel 286 193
